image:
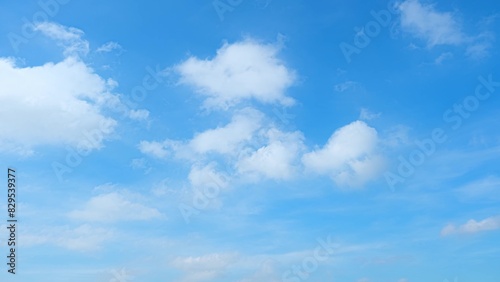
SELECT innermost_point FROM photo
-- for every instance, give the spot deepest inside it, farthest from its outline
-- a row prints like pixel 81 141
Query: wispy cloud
pixel 472 226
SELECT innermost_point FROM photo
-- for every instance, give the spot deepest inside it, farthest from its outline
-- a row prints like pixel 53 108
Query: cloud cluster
pixel 251 145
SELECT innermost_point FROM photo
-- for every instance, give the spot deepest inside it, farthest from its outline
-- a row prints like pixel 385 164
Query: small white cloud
pixel 443 57
pixel 112 207
pixel 108 47
pixel 350 156
pixel 204 268
pixel 154 148
pixel 345 86
pixel 472 226
pixel 240 71
pixel 139 114
pixel 365 114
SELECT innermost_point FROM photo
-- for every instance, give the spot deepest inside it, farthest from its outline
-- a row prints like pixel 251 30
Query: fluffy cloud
pixel 426 23
pixel 239 71
pixel 275 160
pixel 225 140
pixel 58 103
pixel 472 226
pixel 349 157
pixel 113 207
pixel 53 104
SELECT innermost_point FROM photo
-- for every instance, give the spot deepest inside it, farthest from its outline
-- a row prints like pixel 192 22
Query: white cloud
pixel 207 176
pixel 226 140
pixel 69 38
pixel 365 114
pixel 53 104
pixel 138 114
pixel 108 47
pixel 204 268
pixel 154 148
pixel 349 157
pixel 276 160
pixel 444 56
pixel 240 71
pixel 472 226
pixel 112 207
pixel 345 86
pixel 425 22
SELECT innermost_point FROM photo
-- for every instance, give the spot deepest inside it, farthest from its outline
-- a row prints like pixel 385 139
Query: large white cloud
pixel 53 104
pixel 350 156
pixel 57 103
pixel 239 71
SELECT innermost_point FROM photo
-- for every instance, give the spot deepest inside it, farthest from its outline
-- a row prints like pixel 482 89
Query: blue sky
pixel 252 140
